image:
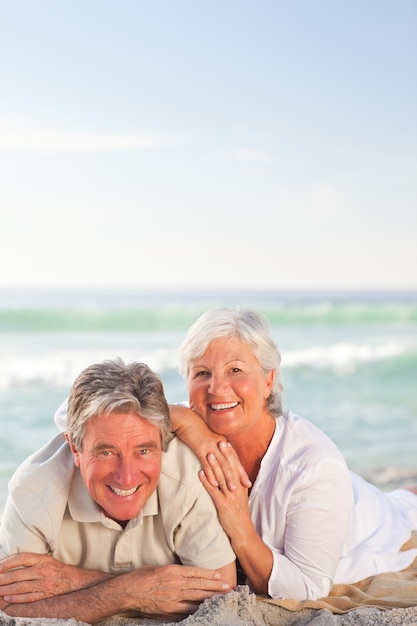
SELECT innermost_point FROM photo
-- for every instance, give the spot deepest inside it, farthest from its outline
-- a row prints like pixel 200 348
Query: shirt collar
pixel 84 509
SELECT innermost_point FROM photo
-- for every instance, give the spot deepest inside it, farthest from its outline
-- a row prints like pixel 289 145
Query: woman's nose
pixel 217 383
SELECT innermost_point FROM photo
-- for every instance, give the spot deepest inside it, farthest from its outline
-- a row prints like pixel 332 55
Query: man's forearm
pixel 29 577
pixel 87 605
pixel 157 591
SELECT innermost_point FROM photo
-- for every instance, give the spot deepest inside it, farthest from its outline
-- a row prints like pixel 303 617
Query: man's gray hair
pixel 250 327
pixel 116 387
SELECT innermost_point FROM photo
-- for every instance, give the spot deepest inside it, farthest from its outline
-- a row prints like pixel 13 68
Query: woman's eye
pixel 236 369
pixel 201 374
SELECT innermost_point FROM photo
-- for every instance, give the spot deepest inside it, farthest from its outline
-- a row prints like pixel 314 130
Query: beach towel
pixel 383 591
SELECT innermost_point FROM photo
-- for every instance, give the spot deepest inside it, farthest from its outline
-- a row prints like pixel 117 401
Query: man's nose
pixel 126 471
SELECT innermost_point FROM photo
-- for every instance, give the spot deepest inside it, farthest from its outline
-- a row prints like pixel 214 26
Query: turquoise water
pixel 349 362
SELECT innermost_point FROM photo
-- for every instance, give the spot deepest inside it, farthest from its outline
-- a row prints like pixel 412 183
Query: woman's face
pixel 228 388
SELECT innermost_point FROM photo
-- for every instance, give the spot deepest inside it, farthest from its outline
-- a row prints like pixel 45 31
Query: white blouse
pixel 324 524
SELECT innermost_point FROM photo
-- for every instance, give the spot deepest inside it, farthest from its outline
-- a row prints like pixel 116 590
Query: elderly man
pixel 117 505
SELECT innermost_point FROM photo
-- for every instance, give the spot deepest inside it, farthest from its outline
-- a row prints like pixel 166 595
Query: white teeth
pixel 226 405
pixel 123 492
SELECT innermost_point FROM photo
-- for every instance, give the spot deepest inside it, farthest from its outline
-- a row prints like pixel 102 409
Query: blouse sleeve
pixel 317 520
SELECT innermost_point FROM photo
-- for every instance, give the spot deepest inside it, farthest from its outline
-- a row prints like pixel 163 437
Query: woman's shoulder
pixel 302 440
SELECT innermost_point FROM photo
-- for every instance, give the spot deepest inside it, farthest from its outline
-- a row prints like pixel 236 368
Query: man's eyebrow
pixel 103 446
pixel 111 446
pixel 147 444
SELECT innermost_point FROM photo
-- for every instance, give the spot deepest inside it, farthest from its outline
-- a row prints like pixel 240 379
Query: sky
pixel 225 144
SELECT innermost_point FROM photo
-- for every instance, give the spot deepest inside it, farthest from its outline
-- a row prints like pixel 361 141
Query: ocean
pixel 349 362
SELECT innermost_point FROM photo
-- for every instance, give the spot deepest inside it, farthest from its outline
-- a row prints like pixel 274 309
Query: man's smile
pixel 123 492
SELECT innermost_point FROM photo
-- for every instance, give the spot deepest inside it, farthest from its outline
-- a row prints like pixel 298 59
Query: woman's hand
pixel 232 505
pixel 192 429
pixel 222 479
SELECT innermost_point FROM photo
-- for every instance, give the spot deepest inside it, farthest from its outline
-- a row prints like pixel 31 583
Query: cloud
pixel 22 136
pixel 252 156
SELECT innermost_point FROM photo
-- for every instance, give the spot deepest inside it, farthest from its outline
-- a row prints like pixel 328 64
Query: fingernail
pixel 225 586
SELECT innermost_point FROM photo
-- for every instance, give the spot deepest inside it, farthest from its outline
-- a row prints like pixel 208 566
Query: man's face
pixel 120 463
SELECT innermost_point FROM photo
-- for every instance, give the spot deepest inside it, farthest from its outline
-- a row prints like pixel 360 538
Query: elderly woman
pixel 302 521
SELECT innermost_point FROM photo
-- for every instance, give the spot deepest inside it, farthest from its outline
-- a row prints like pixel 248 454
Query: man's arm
pixel 28 577
pixel 170 590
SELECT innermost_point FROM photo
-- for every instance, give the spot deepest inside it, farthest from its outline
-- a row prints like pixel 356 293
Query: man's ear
pixel 74 451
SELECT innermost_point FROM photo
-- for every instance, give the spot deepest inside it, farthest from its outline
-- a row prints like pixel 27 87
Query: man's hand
pixel 169 590
pixel 28 577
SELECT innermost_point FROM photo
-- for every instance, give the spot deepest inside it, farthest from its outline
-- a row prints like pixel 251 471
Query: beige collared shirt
pixel 49 511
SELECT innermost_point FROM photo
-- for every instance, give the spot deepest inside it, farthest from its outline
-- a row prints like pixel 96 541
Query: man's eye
pixel 105 453
pixel 144 451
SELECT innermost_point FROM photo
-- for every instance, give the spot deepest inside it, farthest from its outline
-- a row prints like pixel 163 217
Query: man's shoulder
pixel 51 465
pixel 38 496
pixel 180 464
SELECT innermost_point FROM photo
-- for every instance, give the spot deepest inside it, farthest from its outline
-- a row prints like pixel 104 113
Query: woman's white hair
pixel 247 325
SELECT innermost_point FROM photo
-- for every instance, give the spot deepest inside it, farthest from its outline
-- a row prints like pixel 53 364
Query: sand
pixel 242 608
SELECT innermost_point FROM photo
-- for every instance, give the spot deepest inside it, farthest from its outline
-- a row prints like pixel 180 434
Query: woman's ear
pixel 269 381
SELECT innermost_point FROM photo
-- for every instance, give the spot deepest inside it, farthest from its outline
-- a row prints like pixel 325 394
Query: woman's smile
pixel 224 405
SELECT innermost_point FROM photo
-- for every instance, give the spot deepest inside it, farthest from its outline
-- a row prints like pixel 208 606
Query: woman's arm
pixel 317 520
pixel 189 427
pixel 300 547
pixel 192 429
pixel 254 555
